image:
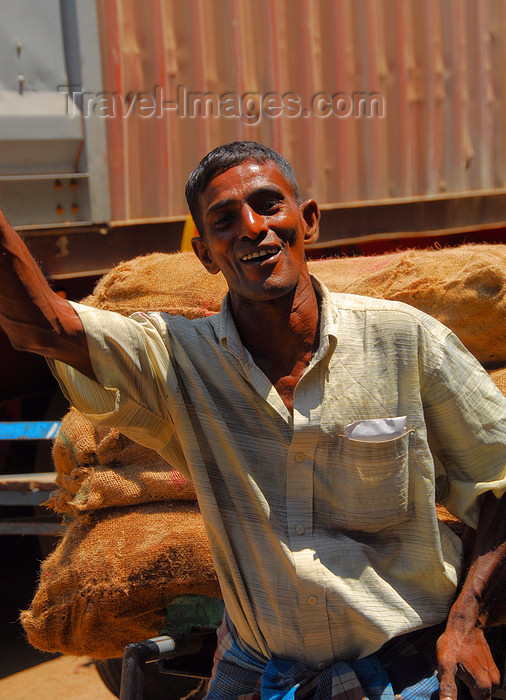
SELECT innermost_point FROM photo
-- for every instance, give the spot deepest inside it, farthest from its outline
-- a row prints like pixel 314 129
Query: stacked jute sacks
pixel 135 537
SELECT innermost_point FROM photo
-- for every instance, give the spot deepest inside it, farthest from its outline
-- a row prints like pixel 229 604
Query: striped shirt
pixel 322 525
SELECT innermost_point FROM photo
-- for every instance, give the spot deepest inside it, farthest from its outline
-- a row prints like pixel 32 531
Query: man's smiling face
pixel 254 231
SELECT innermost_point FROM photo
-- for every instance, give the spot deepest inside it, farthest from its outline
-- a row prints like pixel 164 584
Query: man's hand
pixel 462 650
pixel 33 316
pixel 463 653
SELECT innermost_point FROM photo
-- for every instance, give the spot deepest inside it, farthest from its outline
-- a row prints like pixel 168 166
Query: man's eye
pixel 269 205
pixel 222 221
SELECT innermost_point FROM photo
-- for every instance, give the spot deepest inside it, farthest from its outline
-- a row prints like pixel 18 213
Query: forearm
pixel 33 316
pixel 462 649
pixel 482 593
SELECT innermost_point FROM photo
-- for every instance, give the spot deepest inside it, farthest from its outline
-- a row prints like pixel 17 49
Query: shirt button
pixel 300 456
pixel 322 666
pixel 300 529
pixel 312 600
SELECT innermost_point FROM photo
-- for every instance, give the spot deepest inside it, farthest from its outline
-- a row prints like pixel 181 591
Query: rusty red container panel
pixel 370 100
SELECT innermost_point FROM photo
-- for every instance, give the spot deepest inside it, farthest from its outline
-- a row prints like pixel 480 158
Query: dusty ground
pixel 63 678
pixel 26 673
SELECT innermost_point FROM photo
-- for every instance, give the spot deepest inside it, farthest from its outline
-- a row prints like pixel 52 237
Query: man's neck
pixel 281 334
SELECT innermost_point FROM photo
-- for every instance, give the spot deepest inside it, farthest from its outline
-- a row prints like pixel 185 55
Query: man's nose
pixel 252 223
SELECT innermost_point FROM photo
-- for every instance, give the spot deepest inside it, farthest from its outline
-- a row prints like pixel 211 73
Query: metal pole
pixel 135 657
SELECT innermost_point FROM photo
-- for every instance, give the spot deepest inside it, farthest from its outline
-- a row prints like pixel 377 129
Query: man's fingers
pixel 447 686
pixel 471 662
pixel 480 683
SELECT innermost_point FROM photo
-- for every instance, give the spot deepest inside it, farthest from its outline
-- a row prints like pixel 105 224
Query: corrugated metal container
pixel 376 100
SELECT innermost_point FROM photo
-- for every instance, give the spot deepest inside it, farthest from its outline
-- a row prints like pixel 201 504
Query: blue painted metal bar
pixel 29 430
pixel 23 498
pixel 20 526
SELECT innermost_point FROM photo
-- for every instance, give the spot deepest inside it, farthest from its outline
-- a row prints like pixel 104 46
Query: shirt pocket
pixel 371 483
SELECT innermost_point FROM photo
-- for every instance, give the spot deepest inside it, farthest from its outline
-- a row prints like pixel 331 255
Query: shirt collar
pixel 229 335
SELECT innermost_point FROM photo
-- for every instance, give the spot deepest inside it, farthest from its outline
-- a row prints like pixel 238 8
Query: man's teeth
pixel 260 254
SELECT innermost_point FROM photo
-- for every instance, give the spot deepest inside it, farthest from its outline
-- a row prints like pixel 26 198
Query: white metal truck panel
pixel 36 133
pixel 51 159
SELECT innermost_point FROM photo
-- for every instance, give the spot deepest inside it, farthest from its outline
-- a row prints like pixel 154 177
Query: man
pixel 316 429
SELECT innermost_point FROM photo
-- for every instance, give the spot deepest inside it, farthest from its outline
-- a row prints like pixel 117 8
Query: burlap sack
pixel 499 377
pixel 100 468
pixel 109 579
pixel 175 283
pixel 463 287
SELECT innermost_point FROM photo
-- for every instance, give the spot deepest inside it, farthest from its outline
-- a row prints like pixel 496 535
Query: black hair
pixel 228 156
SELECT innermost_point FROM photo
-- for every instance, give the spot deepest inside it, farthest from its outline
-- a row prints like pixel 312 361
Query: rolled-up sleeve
pixel 136 381
pixel 466 422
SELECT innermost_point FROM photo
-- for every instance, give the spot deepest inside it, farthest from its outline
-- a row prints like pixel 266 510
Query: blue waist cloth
pixel 286 680
pixel 403 669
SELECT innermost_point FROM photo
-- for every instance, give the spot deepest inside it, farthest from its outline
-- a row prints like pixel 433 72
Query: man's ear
pixel 311 215
pixel 201 251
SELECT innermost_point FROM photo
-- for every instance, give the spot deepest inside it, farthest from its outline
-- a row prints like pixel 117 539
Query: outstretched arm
pixel 34 317
pixel 462 650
